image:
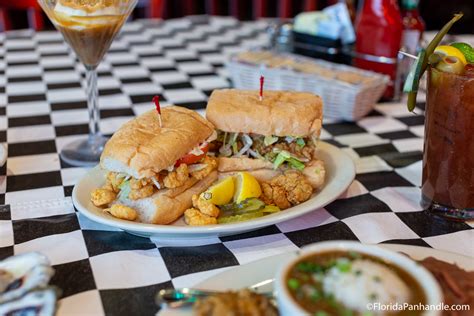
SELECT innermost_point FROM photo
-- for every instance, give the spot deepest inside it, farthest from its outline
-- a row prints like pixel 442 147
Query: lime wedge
pixel 466 50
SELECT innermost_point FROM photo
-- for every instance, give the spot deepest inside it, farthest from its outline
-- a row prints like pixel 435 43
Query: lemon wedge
pixel 246 186
pixel 221 192
pixel 450 51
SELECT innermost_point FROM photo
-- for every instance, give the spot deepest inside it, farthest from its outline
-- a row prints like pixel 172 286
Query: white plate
pixel 3 154
pixel 263 271
pixel 340 172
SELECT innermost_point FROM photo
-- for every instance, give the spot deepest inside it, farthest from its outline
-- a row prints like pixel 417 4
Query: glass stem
pixel 93 102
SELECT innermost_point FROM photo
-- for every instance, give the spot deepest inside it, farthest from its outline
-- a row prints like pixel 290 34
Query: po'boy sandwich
pixel 267 136
pixel 154 170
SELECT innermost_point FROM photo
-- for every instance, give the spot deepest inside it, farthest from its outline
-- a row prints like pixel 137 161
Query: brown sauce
pixel 91 40
pixel 322 304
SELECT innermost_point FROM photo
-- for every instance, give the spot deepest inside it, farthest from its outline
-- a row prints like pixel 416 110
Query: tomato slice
pixel 190 158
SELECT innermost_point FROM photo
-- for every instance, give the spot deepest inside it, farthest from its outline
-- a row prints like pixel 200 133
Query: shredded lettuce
pixel 224 139
pixel 225 151
pixel 156 183
pixel 296 164
pixel 212 138
pixel 256 154
pixel 270 156
pixel 284 156
pixel 124 189
pixel 300 142
pixel 247 144
pixel 221 136
pixel 124 184
pixel 281 158
pixel 269 140
pixel 233 138
pixel 252 145
pixel 197 151
pixel 235 149
pixel 225 148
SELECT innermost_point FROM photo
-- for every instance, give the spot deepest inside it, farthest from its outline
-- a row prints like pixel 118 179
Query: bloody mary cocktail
pixel 448 158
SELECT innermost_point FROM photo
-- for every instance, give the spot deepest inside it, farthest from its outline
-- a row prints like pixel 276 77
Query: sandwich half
pixel 267 137
pixel 153 171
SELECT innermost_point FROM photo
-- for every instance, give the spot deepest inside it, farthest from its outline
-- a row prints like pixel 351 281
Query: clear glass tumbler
pixel 448 156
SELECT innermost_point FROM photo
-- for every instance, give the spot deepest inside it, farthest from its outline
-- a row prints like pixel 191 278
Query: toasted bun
pixel 231 164
pixel 167 205
pixel 280 113
pixel 263 170
pixel 262 175
pixel 142 148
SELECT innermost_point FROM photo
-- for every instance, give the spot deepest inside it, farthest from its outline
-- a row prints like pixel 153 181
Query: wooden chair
pixel 155 8
pixel 35 14
pixel 214 7
pixel 284 8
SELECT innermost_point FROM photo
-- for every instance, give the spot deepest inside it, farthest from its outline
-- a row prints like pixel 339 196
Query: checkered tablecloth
pixel 103 270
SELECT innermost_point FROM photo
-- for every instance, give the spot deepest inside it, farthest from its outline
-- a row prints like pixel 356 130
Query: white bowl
pixel 429 285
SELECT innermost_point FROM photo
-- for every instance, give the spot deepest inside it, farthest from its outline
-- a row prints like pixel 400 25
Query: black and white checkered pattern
pixel 103 270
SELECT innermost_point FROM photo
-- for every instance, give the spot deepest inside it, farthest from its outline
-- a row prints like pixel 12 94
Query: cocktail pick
pixel 156 99
pixel 408 55
pixel 262 80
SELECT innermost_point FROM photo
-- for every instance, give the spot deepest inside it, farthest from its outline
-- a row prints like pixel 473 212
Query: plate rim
pixel 227 229
pixel 236 271
pixel 392 247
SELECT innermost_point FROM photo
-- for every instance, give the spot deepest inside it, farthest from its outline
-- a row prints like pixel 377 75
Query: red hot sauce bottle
pixel 413 26
pixel 379 30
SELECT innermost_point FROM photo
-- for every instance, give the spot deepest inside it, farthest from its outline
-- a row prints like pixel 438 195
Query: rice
pixel 365 282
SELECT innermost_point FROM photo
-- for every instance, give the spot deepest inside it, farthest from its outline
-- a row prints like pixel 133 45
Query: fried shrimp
pixel 286 190
pixel 102 197
pixel 211 164
pixel 177 177
pixel 205 206
pixel 122 212
pixel 136 184
pixel 113 181
pixel 141 193
pixel 298 189
pixel 273 194
pixel 194 217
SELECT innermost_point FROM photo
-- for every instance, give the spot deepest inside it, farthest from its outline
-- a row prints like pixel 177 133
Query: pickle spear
pixel 422 63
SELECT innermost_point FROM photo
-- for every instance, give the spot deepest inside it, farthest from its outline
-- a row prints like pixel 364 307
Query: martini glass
pixel 89 27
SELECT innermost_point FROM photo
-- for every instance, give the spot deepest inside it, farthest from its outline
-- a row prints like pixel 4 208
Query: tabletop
pixel 102 270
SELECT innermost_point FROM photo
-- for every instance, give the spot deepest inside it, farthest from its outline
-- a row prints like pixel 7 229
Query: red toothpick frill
pixel 156 100
pixel 262 80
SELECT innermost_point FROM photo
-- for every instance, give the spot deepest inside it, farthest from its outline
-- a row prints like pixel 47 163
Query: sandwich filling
pixel 191 168
pixel 127 187
pixel 287 152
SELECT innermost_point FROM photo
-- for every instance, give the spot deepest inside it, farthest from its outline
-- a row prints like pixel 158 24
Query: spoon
pixel 175 298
